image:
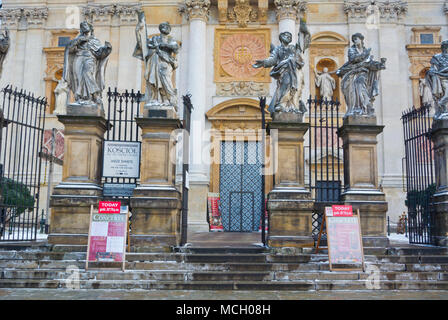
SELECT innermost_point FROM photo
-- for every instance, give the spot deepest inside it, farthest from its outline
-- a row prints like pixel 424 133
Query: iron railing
pixel 420 184
pixel 21 138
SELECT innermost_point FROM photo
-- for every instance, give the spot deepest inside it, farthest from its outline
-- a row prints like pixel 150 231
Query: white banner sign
pixel 121 159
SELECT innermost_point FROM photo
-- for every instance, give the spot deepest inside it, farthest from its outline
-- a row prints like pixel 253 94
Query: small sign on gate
pixel 121 159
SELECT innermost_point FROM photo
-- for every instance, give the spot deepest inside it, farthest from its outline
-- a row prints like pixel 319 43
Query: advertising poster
pixel 215 220
pixel 107 233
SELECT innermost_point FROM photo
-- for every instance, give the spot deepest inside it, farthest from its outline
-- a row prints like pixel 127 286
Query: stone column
pixel 359 136
pixel 197 12
pixel 439 136
pixel 81 177
pixel 156 203
pixel 289 203
pixel 287 13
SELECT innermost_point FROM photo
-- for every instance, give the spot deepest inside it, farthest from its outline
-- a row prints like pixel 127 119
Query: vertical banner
pixel 107 233
pixel 215 219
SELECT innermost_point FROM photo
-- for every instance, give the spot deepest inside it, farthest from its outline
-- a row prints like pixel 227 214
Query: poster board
pixel 215 218
pixel 108 231
pixel 344 237
pixel 344 241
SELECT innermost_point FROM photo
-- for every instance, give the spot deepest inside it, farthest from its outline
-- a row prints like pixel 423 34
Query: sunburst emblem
pixel 239 52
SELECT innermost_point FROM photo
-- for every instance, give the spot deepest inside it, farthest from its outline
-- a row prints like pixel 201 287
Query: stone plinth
pixel 81 177
pixel 359 137
pixel 439 136
pixel 156 203
pixel 289 203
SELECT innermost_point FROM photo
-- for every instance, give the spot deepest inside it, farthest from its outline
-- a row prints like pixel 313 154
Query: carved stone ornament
pixel 290 9
pixel 388 11
pixel 98 13
pixel 196 9
pixel 242 88
pixel 243 13
pixel 24 17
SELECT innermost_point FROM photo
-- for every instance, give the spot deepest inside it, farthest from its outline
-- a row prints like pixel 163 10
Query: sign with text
pixel 342 211
pixel 121 159
pixel 344 240
pixel 107 233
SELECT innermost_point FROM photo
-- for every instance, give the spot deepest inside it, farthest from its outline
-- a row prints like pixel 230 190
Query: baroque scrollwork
pixel 24 17
pixel 126 13
pixel 243 13
pixel 389 10
pixel 242 88
pixel 292 9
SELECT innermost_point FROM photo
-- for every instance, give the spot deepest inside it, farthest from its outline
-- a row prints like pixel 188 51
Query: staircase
pixel 232 268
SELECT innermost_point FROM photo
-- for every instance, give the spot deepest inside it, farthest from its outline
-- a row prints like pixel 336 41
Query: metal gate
pixel 324 157
pixel 420 184
pixel 21 137
pixel 241 185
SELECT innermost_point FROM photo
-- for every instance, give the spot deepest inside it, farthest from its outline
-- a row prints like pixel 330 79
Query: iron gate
pixel 21 138
pixel 123 108
pixel 241 185
pixel 420 185
pixel 324 157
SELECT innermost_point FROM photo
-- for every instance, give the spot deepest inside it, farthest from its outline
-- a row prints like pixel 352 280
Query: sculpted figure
pixel 325 83
pixel 360 77
pixel 437 79
pixel 157 53
pixel 85 65
pixel 61 95
pixel 425 93
pixel 4 47
pixel 287 61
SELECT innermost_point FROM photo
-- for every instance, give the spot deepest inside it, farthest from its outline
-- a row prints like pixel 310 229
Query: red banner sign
pixel 342 211
pixel 109 207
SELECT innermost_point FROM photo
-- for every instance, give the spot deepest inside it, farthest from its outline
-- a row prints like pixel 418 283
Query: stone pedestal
pixel 81 177
pixel 289 203
pixel 439 136
pixel 156 203
pixel 359 136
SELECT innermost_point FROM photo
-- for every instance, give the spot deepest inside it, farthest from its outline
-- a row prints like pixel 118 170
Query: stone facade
pixel 393 30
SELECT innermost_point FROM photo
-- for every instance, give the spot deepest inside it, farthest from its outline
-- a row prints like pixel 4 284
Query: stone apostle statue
pixel 61 96
pixel 360 77
pixel 437 79
pixel 85 65
pixel 158 54
pixel 4 47
pixel 425 93
pixel 287 61
pixel 326 84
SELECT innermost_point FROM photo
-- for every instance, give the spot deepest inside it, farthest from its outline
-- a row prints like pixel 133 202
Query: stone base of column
pixel 155 219
pixel 290 218
pixel 70 212
pixel 372 208
pixel 441 219
pixel 197 207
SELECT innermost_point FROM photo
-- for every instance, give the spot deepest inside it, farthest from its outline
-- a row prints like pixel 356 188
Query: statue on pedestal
pixel 84 67
pixel 4 47
pixel 61 93
pixel 437 79
pixel 326 84
pixel 360 76
pixel 287 61
pixel 158 54
pixel 425 92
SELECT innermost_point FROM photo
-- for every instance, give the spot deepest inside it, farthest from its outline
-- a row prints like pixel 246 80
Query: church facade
pixel 219 40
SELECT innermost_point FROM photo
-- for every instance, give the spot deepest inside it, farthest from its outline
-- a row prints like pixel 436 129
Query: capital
pixel 290 9
pixel 196 9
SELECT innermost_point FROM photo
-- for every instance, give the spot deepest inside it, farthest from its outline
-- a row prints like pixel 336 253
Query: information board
pixel 107 233
pixel 121 159
pixel 344 240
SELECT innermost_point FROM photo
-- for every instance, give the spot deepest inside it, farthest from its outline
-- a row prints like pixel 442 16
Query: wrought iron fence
pixel 324 157
pixel 21 138
pixel 420 184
